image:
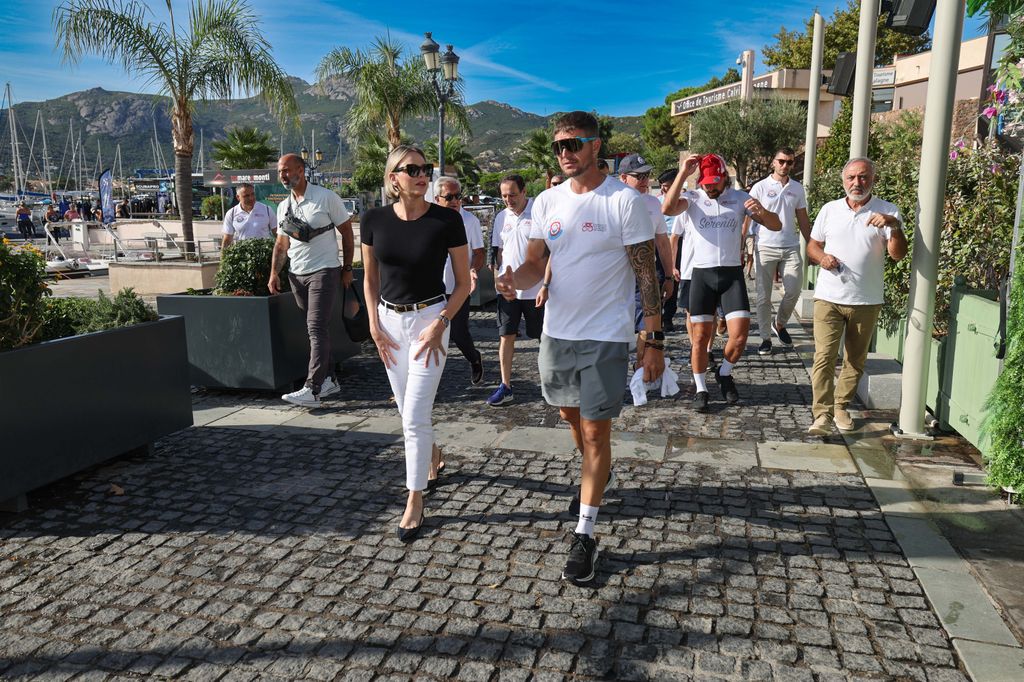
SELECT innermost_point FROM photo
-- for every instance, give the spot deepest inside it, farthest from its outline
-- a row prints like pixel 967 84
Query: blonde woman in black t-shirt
pixel 405 245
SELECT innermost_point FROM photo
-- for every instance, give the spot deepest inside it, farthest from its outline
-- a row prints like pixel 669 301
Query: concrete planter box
pixel 119 390
pixel 148 279
pixel 253 342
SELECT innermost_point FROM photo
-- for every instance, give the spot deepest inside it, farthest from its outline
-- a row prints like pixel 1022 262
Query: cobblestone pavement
pixel 269 551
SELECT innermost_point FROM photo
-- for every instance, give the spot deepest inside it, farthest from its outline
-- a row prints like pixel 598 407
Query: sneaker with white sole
pixel 783 335
pixel 843 420
pixel 501 396
pixel 765 348
pixel 303 397
pixel 329 387
pixel 581 565
pixel 822 426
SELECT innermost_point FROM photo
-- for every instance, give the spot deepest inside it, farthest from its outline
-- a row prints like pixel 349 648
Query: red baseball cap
pixel 712 169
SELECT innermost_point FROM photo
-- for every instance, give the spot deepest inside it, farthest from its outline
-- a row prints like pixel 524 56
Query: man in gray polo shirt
pixel 314 270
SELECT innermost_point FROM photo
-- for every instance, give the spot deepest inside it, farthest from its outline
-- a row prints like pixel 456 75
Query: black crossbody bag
pixel 297 228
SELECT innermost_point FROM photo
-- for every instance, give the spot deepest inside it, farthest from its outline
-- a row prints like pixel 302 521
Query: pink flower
pixel 953 155
pixel 992 88
pixel 990 112
pixel 960 144
pixel 1001 96
pixel 995 168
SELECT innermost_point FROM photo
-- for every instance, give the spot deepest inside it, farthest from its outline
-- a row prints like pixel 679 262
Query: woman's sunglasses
pixel 414 171
pixel 571 144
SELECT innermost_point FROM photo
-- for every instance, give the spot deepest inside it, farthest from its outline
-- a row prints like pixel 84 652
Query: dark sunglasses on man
pixel 639 176
pixel 784 162
pixel 414 171
pixel 450 197
pixel 570 144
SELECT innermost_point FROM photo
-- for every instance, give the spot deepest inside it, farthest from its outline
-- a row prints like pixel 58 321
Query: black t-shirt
pixel 411 253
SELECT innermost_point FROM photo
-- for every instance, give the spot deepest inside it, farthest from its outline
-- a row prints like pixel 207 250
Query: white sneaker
pixel 329 387
pixel 304 397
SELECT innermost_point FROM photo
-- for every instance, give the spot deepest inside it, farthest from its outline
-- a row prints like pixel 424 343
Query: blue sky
pixel 541 56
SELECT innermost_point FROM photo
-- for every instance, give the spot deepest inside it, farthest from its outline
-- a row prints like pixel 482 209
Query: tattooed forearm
pixel 641 258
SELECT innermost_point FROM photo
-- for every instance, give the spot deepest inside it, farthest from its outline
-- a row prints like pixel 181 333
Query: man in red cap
pixel 716 211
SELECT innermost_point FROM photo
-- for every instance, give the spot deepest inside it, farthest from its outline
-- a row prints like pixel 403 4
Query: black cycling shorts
pixel 724 285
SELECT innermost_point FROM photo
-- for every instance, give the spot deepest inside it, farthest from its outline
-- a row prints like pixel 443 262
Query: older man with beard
pixel 849 241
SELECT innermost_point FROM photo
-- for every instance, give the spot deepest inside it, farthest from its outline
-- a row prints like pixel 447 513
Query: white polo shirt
pixel 860 247
pixel 717 227
pixel 319 207
pixel 256 224
pixel 511 234
pixel 783 200
pixel 592 281
pixel 475 239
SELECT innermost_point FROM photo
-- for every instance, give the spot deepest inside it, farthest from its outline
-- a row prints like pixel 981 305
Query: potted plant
pixel 117 371
pixel 242 336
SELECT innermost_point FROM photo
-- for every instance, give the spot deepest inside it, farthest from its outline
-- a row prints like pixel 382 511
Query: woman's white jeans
pixel 414 386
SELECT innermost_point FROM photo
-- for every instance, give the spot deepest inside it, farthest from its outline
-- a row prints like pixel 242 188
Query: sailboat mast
pixel 15 159
pixel 46 155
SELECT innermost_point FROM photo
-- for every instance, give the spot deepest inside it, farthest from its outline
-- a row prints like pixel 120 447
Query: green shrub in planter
pixel 23 293
pixel 72 316
pixel 213 207
pixel 245 268
pixel 1004 410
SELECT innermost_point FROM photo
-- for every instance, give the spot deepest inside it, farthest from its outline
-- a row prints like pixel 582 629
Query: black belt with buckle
pixel 412 307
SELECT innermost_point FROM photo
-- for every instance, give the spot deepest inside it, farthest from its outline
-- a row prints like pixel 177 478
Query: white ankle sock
pixel 700 381
pixel 588 516
pixel 725 369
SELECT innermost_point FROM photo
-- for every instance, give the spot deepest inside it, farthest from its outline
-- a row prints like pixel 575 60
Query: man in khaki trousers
pixel 849 241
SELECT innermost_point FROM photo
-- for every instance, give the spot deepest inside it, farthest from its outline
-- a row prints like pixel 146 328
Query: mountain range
pixel 105 119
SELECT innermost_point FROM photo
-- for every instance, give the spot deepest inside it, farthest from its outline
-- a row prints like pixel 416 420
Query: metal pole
pixel 440 133
pixel 811 139
pixel 949 20
pixel 862 81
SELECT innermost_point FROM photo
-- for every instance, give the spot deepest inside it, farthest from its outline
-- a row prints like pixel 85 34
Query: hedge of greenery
pixel 245 268
pixel 29 314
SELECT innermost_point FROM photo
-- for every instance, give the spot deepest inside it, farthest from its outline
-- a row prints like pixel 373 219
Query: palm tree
pixel 244 148
pixel 535 152
pixel 389 89
pixel 455 154
pixel 218 54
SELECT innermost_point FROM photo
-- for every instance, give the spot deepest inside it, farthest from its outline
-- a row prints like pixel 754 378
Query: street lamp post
pixel 444 72
pixel 318 157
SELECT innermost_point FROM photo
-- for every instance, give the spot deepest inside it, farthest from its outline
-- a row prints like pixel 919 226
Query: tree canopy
pixel 747 135
pixel 217 53
pixel 792 49
pixel 244 148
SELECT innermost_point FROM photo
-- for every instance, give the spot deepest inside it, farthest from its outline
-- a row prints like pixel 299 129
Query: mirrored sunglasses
pixel 571 144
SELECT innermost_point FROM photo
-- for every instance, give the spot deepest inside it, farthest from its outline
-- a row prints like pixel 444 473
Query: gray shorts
pixel 590 375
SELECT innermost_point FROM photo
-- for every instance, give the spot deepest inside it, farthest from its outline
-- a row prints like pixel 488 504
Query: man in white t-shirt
pixel 448 193
pixel 314 271
pixel 601 241
pixel 849 241
pixel 778 251
pixel 716 212
pixel 635 172
pixel 248 219
pixel 510 236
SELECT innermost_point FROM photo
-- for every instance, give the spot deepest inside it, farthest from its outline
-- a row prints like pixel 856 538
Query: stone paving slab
pixel 896 497
pixel 990 662
pixel 468 434
pixel 329 421
pixel 963 607
pixel 806 457
pixel 718 453
pixel 538 439
pixel 204 415
pixel 253 419
pixel 924 546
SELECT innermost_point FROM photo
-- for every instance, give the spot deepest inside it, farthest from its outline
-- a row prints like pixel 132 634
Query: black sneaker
pixel 700 401
pixel 729 391
pixel 574 506
pixel 477 370
pixel 765 348
pixel 582 563
pixel 783 335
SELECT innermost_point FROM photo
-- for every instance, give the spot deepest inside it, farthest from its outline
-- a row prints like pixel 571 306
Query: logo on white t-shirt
pixel 594 227
pixel 772 194
pixel 554 230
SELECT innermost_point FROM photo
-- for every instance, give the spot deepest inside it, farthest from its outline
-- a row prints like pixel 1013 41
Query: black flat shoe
pixel 409 534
